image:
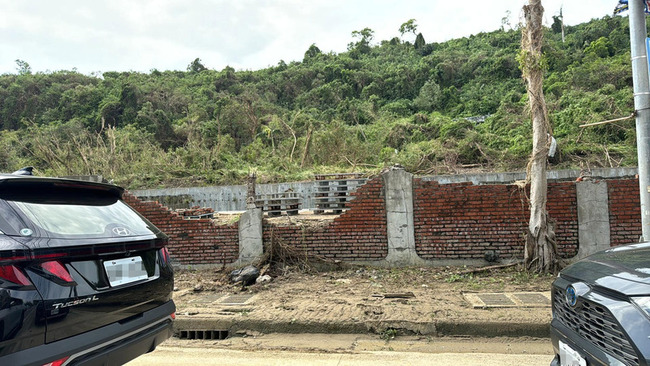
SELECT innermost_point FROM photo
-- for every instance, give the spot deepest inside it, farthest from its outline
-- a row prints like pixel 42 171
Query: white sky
pixel 141 35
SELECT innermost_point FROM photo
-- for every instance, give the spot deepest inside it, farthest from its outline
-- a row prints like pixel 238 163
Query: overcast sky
pixel 141 35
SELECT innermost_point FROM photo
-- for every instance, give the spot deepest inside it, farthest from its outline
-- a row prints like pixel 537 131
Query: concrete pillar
pixel 593 217
pixel 398 189
pixel 251 245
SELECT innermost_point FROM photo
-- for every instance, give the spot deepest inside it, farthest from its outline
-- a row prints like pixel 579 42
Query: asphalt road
pixel 339 350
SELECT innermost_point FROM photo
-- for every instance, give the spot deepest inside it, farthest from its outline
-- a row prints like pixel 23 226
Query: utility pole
pixel 641 83
pixel 562 19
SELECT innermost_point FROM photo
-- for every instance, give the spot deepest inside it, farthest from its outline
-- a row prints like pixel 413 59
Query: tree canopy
pixel 437 108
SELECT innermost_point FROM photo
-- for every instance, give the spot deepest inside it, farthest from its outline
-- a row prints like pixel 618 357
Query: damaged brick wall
pixel 462 220
pixel 196 241
pixel 359 234
pixel 451 221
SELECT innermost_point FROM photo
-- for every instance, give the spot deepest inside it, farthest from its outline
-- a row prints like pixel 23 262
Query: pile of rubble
pixel 196 212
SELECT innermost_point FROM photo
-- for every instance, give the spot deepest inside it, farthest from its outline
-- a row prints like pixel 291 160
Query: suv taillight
pixel 57 362
pixel 165 255
pixel 14 275
pixel 58 270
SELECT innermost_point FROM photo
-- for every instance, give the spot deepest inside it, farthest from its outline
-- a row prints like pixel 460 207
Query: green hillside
pixel 435 108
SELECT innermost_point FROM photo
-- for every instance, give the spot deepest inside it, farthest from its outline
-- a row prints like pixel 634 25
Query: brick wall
pixel 191 241
pixel 562 206
pixel 457 221
pixel 452 221
pixel 624 211
pixel 358 234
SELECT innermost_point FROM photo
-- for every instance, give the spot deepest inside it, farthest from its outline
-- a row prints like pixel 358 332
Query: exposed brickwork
pixel 357 234
pixel 624 211
pixel 452 221
pixel 191 241
pixel 456 221
pixel 562 206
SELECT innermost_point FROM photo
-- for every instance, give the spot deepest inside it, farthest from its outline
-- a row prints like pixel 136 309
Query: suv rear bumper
pixel 114 344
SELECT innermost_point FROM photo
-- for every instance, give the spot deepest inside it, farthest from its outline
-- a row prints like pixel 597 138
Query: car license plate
pixel 125 270
pixel 570 357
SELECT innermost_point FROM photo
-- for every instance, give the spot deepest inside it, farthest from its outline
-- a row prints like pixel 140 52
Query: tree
pixel 311 53
pixel 419 41
pixel 557 24
pixel 506 21
pixel 429 96
pixel 601 47
pixel 196 66
pixel 540 252
pixel 365 36
pixel 23 67
pixel 408 27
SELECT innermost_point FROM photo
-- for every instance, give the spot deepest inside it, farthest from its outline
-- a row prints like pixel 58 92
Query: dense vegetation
pixel 435 108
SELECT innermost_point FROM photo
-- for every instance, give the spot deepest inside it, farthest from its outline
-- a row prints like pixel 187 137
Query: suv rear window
pixel 64 220
pixel 62 210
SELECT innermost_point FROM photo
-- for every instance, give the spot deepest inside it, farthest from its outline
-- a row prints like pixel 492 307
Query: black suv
pixel 601 309
pixel 84 279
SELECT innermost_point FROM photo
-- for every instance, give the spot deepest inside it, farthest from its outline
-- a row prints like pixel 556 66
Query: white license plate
pixel 125 270
pixel 570 357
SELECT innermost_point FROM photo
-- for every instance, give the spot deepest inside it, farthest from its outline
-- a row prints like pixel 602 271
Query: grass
pixel 498 279
pixel 389 334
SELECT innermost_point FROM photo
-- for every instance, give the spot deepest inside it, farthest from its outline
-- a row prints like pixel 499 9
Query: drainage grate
pixel 236 299
pixel 528 298
pixel 207 299
pixel 509 300
pixel 204 334
pixel 495 299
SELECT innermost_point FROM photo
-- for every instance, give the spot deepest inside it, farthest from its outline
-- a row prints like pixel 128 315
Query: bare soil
pixel 362 295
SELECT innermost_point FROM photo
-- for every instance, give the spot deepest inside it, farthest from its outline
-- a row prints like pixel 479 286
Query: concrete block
pixel 398 189
pixel 251 245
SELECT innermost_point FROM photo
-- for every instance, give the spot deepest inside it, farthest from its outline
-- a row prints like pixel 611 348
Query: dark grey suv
pixel 84 279
pixel 601 309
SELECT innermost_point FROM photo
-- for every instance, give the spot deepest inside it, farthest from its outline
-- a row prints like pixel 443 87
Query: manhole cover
pixel 532 298
pixel 236 299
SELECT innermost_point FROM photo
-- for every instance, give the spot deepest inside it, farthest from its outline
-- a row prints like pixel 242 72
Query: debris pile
pixel 196 212
pixel 280 258
pixel 246 275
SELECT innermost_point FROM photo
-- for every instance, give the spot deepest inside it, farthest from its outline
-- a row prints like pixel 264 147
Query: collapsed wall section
pixel 196 241
pixel 450 221
pixel 359 234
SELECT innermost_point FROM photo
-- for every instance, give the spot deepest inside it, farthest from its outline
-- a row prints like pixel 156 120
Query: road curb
pixel 435 329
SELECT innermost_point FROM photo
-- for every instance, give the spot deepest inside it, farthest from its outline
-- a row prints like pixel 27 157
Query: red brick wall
pixel 452 221
pixel 624 211
pixel 457 221
pixel 562 206
pixel 191 241
pixel 357 234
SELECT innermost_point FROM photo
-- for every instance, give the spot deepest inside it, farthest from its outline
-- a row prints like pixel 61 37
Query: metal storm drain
pixel 204 334
pixel 509 300
pixel 533 298
pixel 237 299
pixel 207 299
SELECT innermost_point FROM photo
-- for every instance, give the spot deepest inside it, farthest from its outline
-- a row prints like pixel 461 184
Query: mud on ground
pixel 362 295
